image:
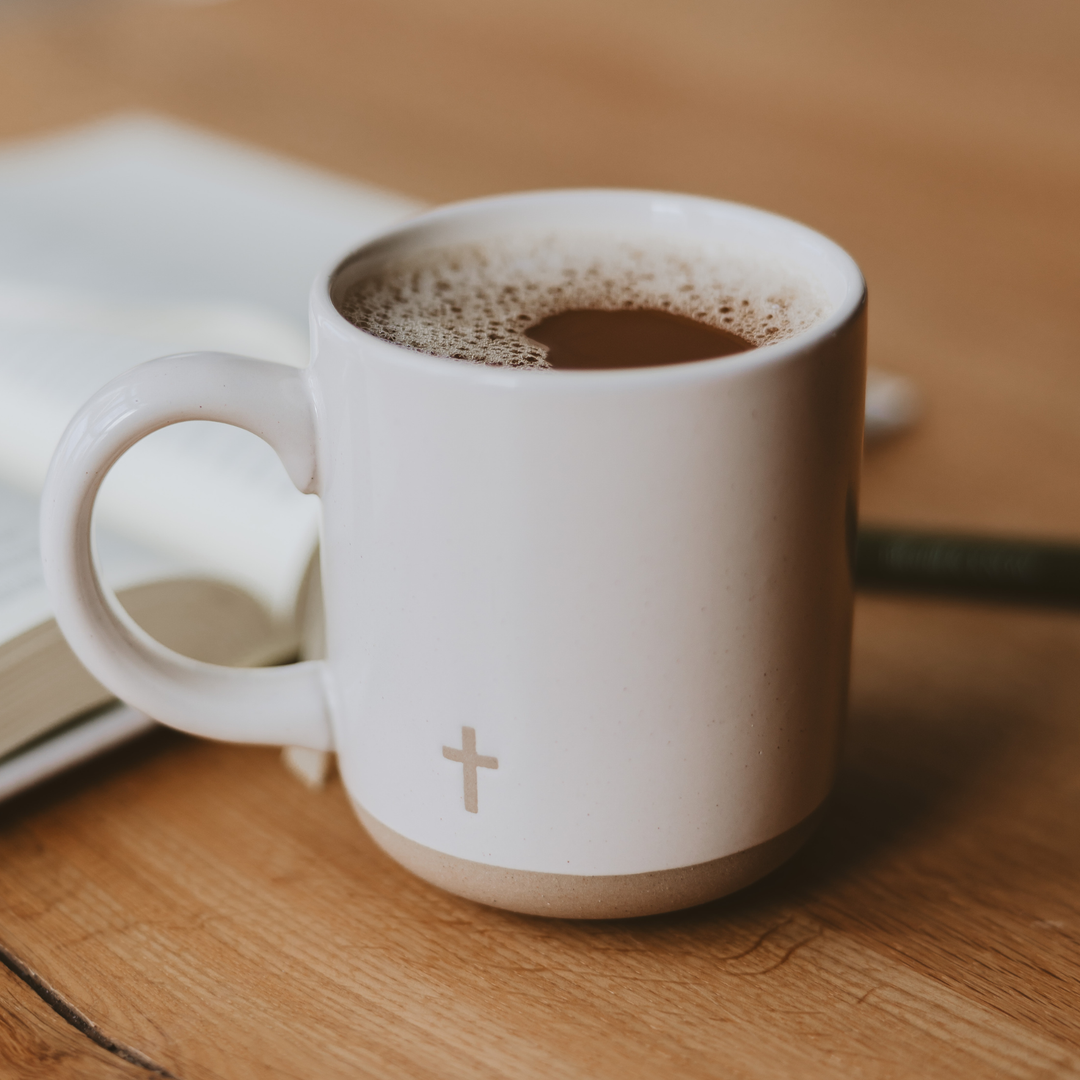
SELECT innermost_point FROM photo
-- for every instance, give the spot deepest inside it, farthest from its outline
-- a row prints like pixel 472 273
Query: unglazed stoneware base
pixel 576 896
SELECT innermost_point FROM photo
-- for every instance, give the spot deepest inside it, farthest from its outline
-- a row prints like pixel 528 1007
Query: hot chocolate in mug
pixel 587 631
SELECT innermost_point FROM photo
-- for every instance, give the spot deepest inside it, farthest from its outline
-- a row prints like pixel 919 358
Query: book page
pixel 137 238
pixel 213 497
pixel 24 601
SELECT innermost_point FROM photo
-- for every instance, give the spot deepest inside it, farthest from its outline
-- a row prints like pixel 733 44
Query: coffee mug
pixel 587 632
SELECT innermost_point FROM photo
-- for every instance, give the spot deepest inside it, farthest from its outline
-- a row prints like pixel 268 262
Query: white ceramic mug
pixel 587 631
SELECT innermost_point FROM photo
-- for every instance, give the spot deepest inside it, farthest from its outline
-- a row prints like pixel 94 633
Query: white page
pixel 138 237
pixel 209 495
pixel 24 602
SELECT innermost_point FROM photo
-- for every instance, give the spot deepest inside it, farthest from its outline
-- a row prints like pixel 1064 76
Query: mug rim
pixel 322 305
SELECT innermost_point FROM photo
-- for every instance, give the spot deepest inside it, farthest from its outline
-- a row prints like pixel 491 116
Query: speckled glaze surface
pixel 587 625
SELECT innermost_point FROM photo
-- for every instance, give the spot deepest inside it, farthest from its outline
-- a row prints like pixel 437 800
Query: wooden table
pixel 188 908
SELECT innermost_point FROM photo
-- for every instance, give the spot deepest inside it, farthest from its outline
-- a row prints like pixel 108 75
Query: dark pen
pixel 974 567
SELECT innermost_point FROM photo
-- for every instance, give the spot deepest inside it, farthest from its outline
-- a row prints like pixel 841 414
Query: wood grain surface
pixel 205 911
pixel 36 1042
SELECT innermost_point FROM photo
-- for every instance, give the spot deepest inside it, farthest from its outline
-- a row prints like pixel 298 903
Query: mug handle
pixel 280 705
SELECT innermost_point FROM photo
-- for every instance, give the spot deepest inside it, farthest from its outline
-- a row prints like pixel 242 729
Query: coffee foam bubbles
pixel 474 302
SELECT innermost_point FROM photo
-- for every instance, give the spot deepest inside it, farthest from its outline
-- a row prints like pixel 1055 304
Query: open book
pixel 119 242
pixel 123 241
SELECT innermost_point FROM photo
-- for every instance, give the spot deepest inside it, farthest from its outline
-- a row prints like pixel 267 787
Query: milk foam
pixel 474 302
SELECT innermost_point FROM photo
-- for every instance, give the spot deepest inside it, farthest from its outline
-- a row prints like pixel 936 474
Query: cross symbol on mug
pixel 470 760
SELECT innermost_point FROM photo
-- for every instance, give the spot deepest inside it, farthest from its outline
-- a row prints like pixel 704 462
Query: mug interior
pixel 724 231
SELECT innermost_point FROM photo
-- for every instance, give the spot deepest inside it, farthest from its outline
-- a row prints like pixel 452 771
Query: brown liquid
pixel 633 337
pixel 596 301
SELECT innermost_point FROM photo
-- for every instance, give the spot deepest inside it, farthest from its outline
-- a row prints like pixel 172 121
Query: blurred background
pixel 939 143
